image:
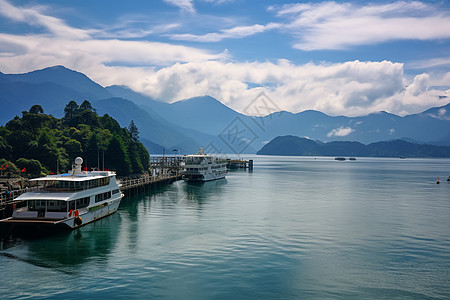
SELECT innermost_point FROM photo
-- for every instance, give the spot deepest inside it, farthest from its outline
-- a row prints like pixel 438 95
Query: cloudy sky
pixel 342 58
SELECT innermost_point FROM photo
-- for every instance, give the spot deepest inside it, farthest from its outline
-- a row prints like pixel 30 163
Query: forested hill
pixel 293 145
pixel 37 144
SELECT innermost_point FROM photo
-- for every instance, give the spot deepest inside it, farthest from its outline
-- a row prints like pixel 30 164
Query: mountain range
pixel 205 122
pixel 295 146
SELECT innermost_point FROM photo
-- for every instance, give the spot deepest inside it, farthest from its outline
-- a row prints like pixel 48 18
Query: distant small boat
pixel 448 179
pixel 352 158
pixel 438 181
pixel 340 158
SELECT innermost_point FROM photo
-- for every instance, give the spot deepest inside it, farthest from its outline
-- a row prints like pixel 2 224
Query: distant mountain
pixel 124 111
pixel 206 120
pixel 64 77
pixel 201 118
pixel 206 114
pixel 296 146
pixel 16 97
pixel 54 87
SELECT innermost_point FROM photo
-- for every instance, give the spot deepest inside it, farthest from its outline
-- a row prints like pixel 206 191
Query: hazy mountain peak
pixel 205 99
pixel 65 77
pixel 312 112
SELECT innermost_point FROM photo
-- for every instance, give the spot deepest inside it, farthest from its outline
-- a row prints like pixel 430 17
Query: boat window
pixel 102 196
pixel 72 205
pixel 82 202
pixel 116 191
pixel 65 185
pixel 57 205
pixel 31 205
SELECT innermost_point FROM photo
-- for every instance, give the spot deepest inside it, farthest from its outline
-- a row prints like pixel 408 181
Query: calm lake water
pixel 295 228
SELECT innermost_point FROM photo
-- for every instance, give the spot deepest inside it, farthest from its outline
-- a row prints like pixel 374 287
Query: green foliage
pixel 31 167
pixel 41 143
pixel 8 168
pixel 116 156
pixel 36 109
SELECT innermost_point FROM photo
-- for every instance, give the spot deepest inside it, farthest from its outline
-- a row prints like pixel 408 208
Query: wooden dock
pixel 145 182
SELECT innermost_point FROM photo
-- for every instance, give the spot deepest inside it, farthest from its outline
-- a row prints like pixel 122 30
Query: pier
pixel 145 182
pixel 240 164
pixel 163 171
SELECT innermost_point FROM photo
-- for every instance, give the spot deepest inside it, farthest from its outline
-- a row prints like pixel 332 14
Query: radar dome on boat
pixel 78 163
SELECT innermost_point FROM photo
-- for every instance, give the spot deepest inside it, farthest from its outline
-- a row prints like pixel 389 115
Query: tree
pixel 54 143
pixel 31 167
pixel 36 109
pixel 134 132
pixel 116 156
pixel 73 148
pixel 86 105
pixel 8 168
pixel 45 151
pixel 70 112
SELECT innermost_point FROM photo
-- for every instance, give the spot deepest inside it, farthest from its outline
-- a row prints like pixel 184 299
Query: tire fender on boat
pixel 78 221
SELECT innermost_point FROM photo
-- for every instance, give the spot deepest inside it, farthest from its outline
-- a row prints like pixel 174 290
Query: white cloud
pixel 441 115
pixel 185 5
pixel 35 17
pixel 331 25
pixel 430 63
pixel 235 33
pixel 341 131
pixel 351 88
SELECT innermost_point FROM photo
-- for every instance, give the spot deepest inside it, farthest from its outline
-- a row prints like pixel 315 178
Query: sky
pixel 347 58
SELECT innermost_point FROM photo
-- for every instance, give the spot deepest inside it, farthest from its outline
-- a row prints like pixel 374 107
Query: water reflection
pixel 66 251
pixel 197 193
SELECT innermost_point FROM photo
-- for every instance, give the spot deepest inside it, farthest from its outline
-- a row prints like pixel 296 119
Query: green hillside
pixel 36 143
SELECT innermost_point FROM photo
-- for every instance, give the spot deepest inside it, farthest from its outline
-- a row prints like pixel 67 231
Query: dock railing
pixel 126 184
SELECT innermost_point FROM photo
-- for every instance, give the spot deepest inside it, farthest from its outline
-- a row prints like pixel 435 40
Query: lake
pixel 294 228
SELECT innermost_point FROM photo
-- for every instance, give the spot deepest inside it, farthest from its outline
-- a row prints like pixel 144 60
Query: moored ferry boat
pixel 203 167
pixel 68 200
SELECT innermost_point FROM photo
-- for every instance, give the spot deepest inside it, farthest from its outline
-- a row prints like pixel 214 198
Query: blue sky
pixel 339 57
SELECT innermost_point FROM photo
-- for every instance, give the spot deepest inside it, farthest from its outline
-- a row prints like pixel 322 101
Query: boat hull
pixel 202 178
pixel 35 226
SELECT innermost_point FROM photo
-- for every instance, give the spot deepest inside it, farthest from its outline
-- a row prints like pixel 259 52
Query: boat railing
pixel 9 196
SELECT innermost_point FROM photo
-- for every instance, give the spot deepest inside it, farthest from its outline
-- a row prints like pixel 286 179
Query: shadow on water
pixel 191 193
pixel 198 192
pixel 64 251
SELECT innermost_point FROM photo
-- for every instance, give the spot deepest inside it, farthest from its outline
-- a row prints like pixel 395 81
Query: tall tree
pixel 70 112
pixel 86 105
pixel 134 131
pixel 36 109
pixel 116 156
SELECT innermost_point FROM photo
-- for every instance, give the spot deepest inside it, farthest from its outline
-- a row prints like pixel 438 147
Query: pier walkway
pixel 239 164
pixel 144 182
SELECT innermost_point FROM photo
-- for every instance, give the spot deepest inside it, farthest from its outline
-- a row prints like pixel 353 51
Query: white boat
pixel 203 167
pixel 68 200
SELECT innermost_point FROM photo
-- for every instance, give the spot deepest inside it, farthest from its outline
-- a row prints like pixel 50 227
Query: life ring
pixel 76 213
pixel 70 212
pixel 78 221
